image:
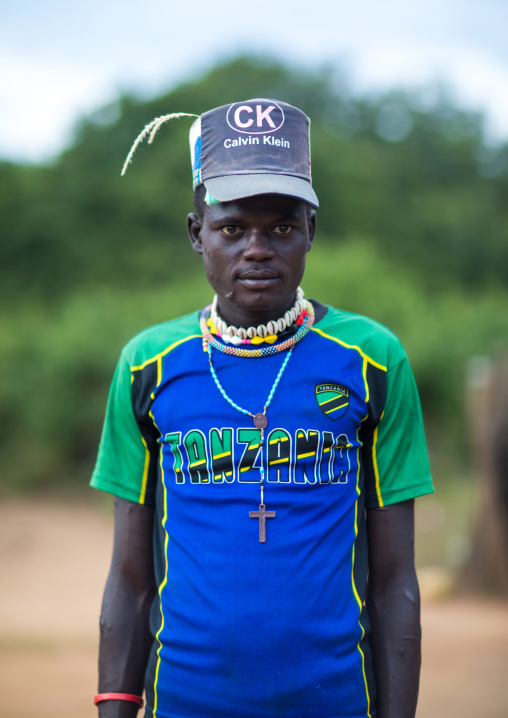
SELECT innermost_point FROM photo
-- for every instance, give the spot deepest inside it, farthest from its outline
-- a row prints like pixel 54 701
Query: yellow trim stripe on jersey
pixel 366 360
pixel 165 580
pixel 364 374
pixel 355 591
pixel 348 346
pixel 374 464
pixel 159 356
pixel 144 482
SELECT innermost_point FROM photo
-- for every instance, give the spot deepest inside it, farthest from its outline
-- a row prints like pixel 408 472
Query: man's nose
pixel 258 246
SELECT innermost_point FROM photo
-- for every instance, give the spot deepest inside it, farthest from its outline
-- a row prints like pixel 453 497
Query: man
pixel 264 454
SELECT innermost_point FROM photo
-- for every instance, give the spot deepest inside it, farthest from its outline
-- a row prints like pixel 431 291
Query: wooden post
pixel 486 570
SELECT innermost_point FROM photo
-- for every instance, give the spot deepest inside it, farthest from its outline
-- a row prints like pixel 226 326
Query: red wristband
pixel 118 697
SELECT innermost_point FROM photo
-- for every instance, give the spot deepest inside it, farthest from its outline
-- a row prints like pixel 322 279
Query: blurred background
pixel 409 109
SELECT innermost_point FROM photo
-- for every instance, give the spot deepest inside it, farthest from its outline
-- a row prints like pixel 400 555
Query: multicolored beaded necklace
pixel 302 327
pixel 260 420
pixel 268 333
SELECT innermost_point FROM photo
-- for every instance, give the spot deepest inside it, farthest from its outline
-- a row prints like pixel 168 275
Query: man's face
pixel 254 252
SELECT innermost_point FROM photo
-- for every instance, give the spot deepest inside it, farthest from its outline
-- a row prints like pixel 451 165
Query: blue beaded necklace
pixel 260 422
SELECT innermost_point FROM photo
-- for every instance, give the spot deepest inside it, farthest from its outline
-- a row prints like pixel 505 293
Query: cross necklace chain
pixel 260 421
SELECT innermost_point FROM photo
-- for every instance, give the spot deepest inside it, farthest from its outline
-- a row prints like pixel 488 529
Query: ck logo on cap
pixel 255 118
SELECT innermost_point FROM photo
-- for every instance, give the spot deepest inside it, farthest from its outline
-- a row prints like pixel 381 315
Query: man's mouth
pixel 258 279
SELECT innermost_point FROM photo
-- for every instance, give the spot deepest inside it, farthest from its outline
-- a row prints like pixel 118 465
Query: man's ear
pixel 194 232
pixel 311 225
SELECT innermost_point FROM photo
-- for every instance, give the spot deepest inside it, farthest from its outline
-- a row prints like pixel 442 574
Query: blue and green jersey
pixel 243 628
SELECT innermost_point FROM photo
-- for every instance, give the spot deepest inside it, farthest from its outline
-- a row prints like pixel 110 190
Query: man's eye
pixel 230 229
pixel 283 229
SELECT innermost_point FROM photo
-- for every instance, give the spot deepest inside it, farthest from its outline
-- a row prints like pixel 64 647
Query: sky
pixel 62 60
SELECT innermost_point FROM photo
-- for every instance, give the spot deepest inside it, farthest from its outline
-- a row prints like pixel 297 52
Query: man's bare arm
pixel 393 602
pixel 125 640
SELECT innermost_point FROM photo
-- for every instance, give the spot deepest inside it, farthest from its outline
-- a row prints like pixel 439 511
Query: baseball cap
pixel 259 146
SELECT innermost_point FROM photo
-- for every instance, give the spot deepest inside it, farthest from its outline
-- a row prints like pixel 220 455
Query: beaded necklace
pixel 269 339
pixel 307 320
pixel 269 332
pixel 260 420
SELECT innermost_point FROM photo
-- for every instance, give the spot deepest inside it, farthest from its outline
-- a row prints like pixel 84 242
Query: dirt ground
pixel 54 558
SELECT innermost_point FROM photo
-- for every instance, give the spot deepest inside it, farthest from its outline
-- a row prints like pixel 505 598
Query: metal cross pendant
pixel 262 515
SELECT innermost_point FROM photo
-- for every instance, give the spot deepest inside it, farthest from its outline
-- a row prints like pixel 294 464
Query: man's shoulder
pixel 371 338
pixel 161 338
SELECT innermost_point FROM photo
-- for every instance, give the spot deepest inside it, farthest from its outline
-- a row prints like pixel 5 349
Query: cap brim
pixel 232 187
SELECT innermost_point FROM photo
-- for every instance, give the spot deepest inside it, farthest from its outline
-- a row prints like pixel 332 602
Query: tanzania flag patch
pixel 332 399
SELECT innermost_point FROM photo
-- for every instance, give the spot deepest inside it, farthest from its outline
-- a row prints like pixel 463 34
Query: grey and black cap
pixel 259 146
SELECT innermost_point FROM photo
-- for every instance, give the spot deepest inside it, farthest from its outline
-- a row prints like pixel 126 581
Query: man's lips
pixel 258 279
pixel 258 274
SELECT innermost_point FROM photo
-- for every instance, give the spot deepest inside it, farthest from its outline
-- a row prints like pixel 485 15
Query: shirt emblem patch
pixel 332 399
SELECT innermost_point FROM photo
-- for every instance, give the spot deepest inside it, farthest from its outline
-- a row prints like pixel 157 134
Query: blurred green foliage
pixel 412 230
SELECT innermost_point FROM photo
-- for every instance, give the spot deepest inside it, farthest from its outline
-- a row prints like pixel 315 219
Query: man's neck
pixel 243 320
pixel 247 317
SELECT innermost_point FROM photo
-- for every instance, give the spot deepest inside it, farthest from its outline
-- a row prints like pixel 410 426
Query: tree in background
pixel 412 215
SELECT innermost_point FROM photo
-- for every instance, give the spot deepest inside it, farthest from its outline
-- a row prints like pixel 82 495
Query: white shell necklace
pixel 234 335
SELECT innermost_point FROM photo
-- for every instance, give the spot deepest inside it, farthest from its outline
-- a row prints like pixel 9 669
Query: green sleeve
pixel 399 450
pixel 123 458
